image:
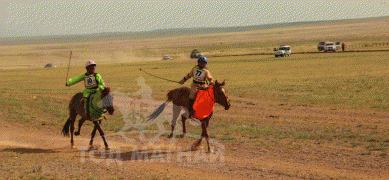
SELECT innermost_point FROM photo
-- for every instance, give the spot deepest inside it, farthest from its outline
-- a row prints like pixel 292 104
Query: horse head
pixel 221 95
pixel 107 100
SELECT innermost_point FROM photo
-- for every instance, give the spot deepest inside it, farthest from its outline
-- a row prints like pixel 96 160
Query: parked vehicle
pixel 195 54
pixel 321 45
pixel 330 46
pixel 282 51
pixel 49 65
pixel 166 57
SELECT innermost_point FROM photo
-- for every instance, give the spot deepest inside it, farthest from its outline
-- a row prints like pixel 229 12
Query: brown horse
pixel 101 102
pixel 180 99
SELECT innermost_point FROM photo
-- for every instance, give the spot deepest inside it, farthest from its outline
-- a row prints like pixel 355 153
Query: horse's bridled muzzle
pixel 110 110
pixel 228 106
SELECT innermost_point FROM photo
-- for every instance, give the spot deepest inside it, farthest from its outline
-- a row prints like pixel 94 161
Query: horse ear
pixel 216 83
pixel 224 83
pixel 106 90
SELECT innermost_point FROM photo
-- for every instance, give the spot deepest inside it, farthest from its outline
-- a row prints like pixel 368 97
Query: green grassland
pixel 33 52
pixel 336 80
pixel 266 93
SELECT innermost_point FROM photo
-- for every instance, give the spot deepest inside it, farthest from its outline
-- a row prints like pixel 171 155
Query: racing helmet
pixel 88 63
pixel 202 59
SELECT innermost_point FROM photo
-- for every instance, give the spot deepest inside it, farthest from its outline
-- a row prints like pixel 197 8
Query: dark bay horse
pixel 180 99
pixel 100 103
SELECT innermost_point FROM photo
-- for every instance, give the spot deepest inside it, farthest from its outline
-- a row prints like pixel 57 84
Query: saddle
pixel 204 88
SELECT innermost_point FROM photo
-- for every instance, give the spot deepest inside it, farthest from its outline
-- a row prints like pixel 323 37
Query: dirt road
pixel 40 151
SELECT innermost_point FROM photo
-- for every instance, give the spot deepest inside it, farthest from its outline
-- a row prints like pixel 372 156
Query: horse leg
pixel 171 133
pixel 72 120
pixel 92 136
pixel 196 145
pixel 205 130
pixel 176 113
pixel 183 119
pixel 80 123
pixel 205 133
pixel 97 125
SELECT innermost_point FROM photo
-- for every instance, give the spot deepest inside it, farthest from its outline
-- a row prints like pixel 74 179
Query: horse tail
pixel 158 111
pixel 66 127
pixel 172 95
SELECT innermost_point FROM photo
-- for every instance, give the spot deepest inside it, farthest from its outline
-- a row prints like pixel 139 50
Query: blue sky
pixel 59 17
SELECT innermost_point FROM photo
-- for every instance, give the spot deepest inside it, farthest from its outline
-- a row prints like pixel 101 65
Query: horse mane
pixel 217 83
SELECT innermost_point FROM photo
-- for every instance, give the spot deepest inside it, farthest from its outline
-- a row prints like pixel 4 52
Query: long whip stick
pixel 67 74
pixel 158 76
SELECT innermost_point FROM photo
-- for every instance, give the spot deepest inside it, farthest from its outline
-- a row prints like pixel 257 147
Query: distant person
pixel 93 83
pixel 201 76
pixel 343 46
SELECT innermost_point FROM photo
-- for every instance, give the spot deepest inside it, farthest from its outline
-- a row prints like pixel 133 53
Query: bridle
pixel 218 93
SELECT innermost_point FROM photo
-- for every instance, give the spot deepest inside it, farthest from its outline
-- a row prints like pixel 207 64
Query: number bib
pixel 90 82
pixel 199 75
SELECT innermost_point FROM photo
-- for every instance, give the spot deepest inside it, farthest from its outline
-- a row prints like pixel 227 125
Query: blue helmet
pixel 202 59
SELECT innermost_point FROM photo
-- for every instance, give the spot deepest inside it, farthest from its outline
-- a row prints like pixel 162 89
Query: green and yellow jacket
pixel 92 82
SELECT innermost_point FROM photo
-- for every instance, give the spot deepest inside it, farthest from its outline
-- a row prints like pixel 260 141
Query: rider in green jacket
pixel 93 83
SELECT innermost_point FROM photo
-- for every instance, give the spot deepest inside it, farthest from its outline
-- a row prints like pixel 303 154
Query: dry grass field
pixel 308 116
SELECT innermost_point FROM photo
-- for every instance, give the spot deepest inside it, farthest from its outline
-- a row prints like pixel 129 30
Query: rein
pixel 213 99
pixel 158 76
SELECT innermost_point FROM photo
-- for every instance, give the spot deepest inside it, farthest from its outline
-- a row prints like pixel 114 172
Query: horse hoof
pixel 182 135
pixel 170 136
pixel 73 147
pixel 210 151
pixel 91 148
pixel 194 148
pixel 77 133
pixel 107 148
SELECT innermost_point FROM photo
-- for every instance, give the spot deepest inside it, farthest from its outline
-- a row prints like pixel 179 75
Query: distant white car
pixel 282 51
pixel 330 46
pixel 166 57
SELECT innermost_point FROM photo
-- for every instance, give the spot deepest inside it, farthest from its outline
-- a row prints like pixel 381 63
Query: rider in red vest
pixel 93 83
pixel 201 78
